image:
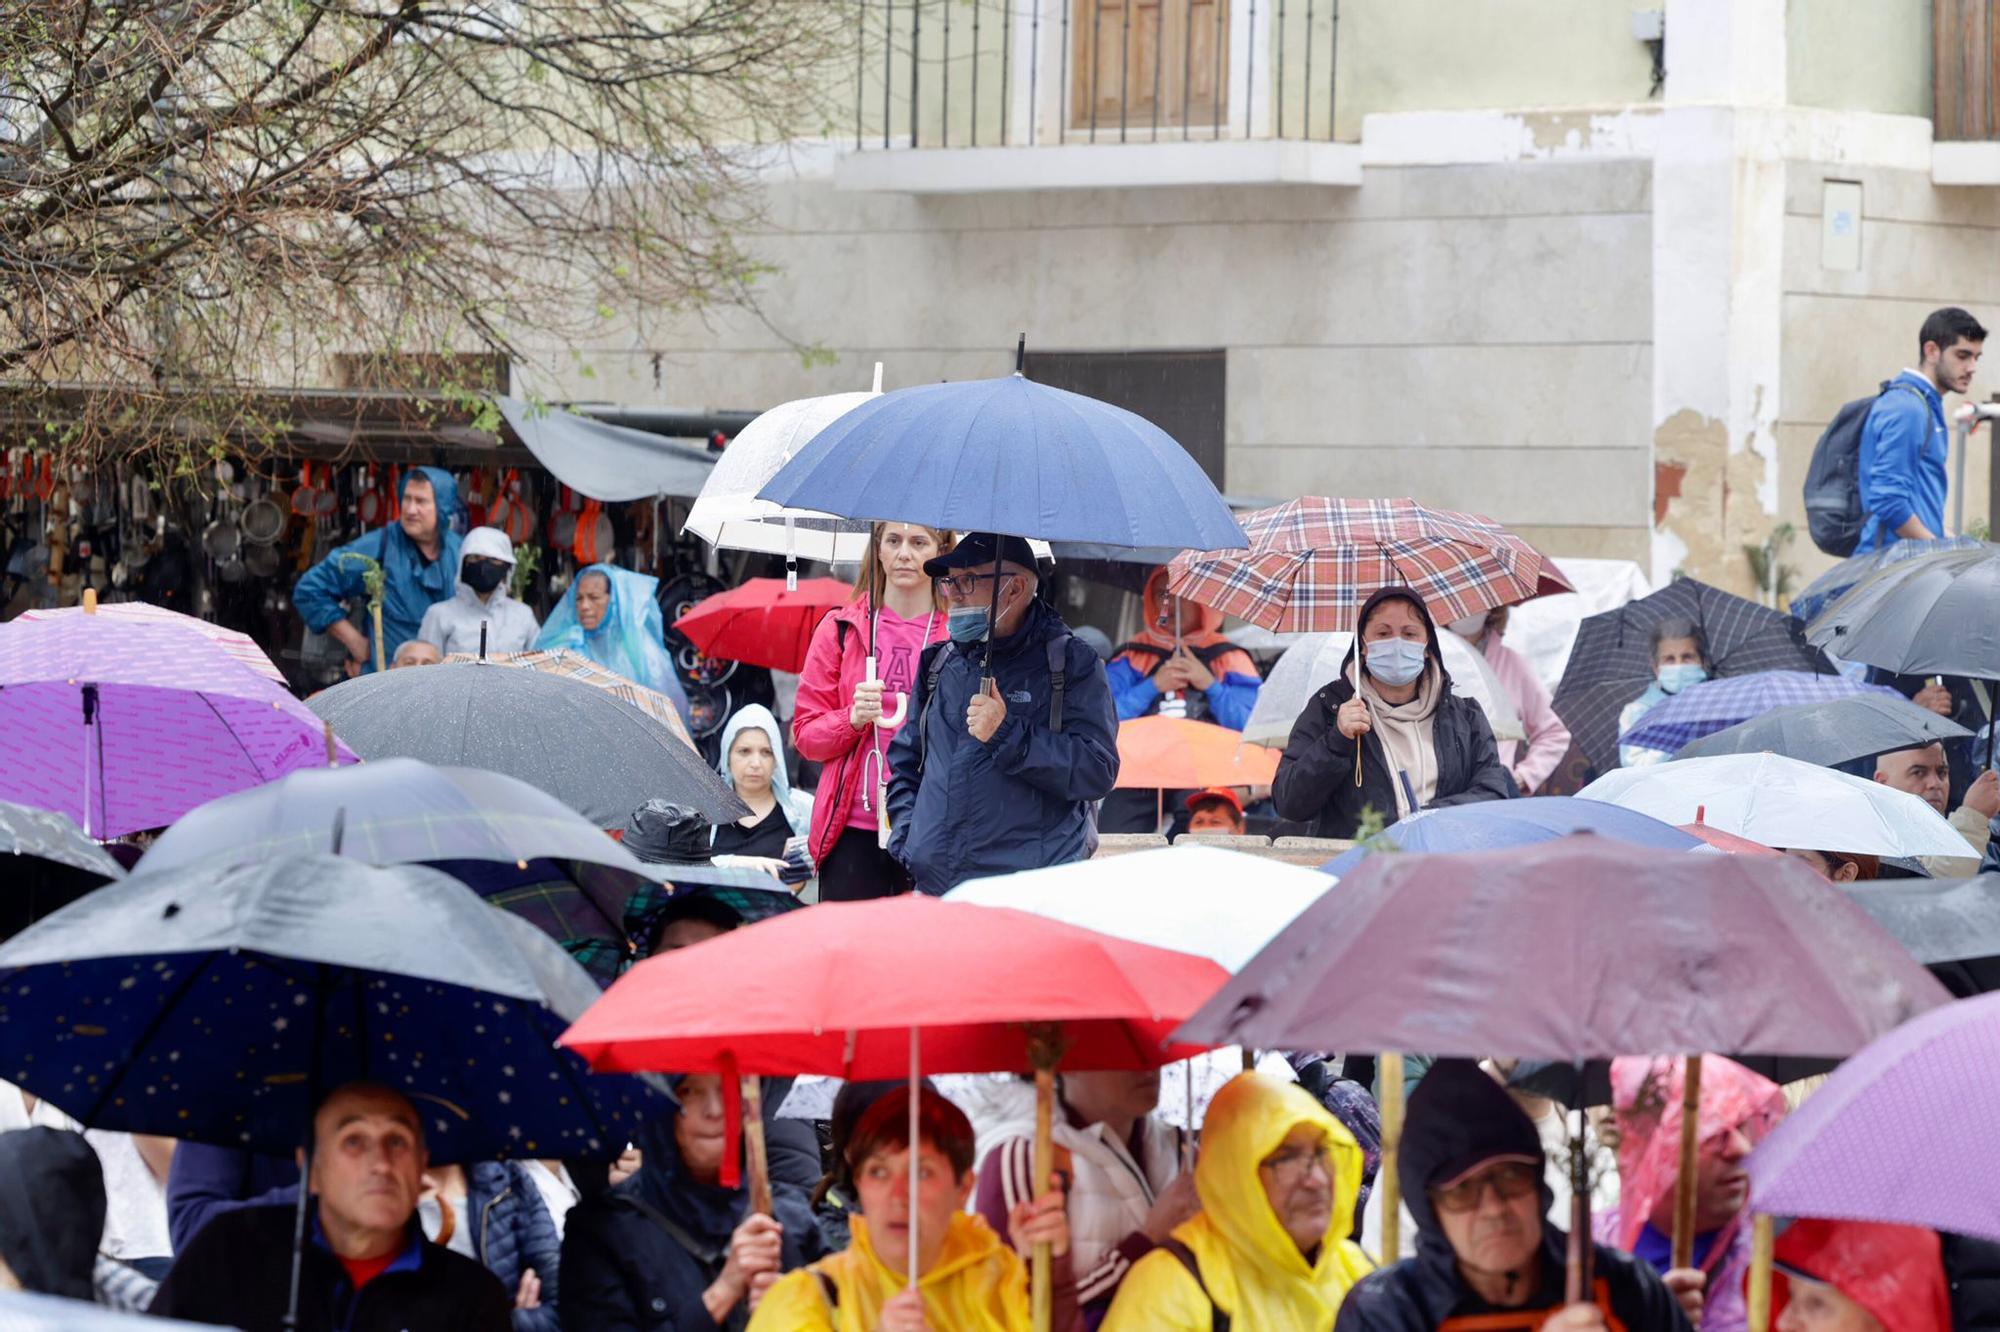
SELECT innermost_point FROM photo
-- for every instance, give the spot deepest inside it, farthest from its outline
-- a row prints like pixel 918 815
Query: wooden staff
pixel 332 754
pixel 1762 1238
pixel 1690 1165
pixel 1390 1067
pixel 753 1144
pixel 1045 1049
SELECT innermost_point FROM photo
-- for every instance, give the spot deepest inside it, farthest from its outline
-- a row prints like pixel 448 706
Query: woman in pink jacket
pixel 843 720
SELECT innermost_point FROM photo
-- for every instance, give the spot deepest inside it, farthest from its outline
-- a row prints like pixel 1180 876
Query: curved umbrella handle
pixel 891 718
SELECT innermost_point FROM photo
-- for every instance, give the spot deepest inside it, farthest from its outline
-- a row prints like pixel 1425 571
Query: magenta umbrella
pixel 1903 1132
pixel 124 727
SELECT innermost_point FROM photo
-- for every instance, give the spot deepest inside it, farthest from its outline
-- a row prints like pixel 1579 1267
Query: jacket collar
pixel 408 1260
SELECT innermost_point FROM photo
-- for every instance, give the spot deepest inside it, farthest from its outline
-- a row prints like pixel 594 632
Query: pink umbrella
pixel 239 646
pixel 123 728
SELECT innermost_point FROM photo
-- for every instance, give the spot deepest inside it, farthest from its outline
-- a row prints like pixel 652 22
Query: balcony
pixel 983 96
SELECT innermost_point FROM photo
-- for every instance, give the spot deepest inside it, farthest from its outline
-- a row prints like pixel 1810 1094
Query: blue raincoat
pixel 411 583
pixel 630 640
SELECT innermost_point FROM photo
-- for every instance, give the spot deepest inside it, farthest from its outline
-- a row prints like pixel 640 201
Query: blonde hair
pixel 874 579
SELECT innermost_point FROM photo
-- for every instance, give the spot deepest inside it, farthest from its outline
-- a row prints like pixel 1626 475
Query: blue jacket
pixel 1904 444
pixel 513 1231
pixel 960 809
pixel 1230 699
pixel 411 584
pixel 204 1181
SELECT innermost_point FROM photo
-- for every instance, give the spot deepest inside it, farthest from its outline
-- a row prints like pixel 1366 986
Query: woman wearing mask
pixel 841 717
pixel 1680 659
pixel 612 616
pixel 481 617
pixel 753 763
pixel 1388 734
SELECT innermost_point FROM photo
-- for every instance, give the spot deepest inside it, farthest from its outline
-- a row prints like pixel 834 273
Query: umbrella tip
pixel 878 377
pixel 1701 813
pixel 90 601
pixel 1021 355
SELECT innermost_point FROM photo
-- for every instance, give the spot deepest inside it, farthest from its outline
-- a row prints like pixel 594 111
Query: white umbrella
pixel 1311 664
pixel 1780 802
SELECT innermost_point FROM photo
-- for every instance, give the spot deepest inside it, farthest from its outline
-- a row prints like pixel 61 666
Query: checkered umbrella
pixel 1611 663
pixel 1716 705
pixel 1312 562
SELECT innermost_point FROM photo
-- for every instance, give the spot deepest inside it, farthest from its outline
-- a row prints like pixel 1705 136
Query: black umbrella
pixel 1611 663
pixel 1830 586
pixel 1935 615
pixel 597 754
pixel 1832 732
pixel 1951 926
pixel 49 864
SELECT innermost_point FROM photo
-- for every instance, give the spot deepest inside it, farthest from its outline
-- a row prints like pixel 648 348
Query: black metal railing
pixel 976 73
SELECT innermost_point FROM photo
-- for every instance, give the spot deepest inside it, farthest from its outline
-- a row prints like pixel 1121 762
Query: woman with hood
pixel 485 568
pixel 753 764
pixel 418 555
pixel 968 1278
pixel 840 719
pixel 1858 1276
pixel 1388 734
pixel 1680 658
pixel 612 616
pixel 1278 1177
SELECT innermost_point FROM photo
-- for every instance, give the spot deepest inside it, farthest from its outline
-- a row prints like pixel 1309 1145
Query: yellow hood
pixel 978 1284
pixel 1254 1270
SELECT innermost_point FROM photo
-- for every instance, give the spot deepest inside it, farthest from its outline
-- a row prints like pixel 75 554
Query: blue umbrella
pixel 1828 588
pixel 1494 824
pixel 1014 457
pixel 1716 705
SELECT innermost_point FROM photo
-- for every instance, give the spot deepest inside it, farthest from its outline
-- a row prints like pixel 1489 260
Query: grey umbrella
pixel 48 863
pixel 1935 615
pixel 1832 732
pixel 596 753
pixel 1951 926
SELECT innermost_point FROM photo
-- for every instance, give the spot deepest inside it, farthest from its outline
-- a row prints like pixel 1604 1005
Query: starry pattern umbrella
pixel 594 753
pixel 214 1005
pixel 47 863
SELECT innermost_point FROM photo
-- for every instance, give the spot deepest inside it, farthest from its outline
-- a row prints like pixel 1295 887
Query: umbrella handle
pixel 1389 1073
pixel 891 718
pixel 1684 1185
pixel 1758 1293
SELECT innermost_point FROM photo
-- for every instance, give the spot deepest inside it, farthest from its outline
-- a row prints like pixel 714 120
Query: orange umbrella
pixel 1174 753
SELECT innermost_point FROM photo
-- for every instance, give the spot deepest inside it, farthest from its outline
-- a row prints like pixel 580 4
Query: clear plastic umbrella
pixel 1312 662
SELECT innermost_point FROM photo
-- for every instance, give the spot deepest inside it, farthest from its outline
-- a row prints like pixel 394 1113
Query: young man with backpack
pixel 1009 743
pixel 1878 473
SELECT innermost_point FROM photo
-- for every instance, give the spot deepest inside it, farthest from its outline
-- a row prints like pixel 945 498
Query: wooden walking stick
pixel 1045 1050
pixel 1389 1067
pixel 1758 1294
pixel 753 1145
pixel 1684 1183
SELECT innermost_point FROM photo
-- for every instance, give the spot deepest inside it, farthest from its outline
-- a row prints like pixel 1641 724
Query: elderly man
pixel 1926 773
pixel 1000 775
pixel 418 554
pixel 367 1265
pixel 1471 1170
pixel 416 652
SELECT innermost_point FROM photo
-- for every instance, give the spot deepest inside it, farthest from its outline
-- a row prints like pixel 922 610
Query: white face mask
pixel 1395 661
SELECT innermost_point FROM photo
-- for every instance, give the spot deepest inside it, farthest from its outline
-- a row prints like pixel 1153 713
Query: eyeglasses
pixel 1296 1163
pixel 1510 1181
pixel 964 585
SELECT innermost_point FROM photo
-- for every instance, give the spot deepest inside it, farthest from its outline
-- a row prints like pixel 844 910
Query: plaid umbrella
pixel 1312 562
pixel 1716 705
pixel 1611 663
pixel 561 661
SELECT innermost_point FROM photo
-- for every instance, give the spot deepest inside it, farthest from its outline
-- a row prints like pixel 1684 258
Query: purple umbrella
pixel 1904 1132
pixel 124 727
pixel 1717 705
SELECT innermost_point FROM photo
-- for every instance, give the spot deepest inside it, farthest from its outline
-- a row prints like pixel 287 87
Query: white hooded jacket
pixel 453 626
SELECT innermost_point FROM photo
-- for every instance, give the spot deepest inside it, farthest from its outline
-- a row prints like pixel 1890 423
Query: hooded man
pixel 485 571
pixel 418 554
pixel 1278 1178
pixel 1471 1173
pixel 991 781
pixel 1181 665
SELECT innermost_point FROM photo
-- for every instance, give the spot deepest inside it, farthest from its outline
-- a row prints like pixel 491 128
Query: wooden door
pixel 1141 63
pixel 1965 69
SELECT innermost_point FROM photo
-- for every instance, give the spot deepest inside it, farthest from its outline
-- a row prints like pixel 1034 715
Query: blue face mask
pixel 1680 675
pixel 1395 661
pixel 966 624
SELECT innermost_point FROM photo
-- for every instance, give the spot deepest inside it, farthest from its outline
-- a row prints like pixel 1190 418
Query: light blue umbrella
pixel 1493 824
pixel 1716 705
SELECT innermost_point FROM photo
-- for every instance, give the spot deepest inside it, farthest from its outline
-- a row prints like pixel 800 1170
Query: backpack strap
pixel 707 1255
pixel 938 654
pixel 1058 666
pixel 1218 1320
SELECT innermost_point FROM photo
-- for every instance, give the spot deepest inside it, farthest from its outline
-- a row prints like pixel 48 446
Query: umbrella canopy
pixel 837 990
pixel 1579 948
pixel 239 646
pixel 49 864
pixel 1902 1132
pixel 1313 563
pixel 1611 663
pixel 1493 824
pixel 24 1312
pixel 728 514
pixel 124 728
pixel 576 666
pixel 1781 802
pixel 1728 844
pixel 1934 615
pixel 1312 663
pixel 1716 705
pixel 598 755
pixel 1166 898
pixel 209 1005
pixel 1009 456
pixel 763 621
pixel 1836 731
pixel 1174 753
pixel 1951 926
pixel 1832 585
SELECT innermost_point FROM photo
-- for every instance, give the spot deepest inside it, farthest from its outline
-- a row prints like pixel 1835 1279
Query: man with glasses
pixel 1013 736
pixel 1487 1257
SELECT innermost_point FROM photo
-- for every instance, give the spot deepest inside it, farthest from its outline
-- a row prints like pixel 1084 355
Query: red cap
pixel 1222 793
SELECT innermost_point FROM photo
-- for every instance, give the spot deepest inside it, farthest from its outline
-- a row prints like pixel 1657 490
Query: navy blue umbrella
pixel 216 1005
pixel 1494 824
pixel 1014 457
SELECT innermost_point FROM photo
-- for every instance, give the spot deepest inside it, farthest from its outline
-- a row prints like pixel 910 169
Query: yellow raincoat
pixel 979 1284
pixel 1254 1271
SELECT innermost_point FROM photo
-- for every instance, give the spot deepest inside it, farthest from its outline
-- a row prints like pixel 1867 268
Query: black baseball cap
pixel 977 551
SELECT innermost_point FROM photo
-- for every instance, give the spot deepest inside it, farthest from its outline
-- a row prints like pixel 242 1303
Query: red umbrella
pixel 1727 841
pixel 845 989
pixel 761 623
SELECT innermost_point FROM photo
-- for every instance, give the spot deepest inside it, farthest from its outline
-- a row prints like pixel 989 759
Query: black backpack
pixel 1834 514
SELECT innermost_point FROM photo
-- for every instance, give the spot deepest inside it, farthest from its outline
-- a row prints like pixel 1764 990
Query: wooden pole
pixel 753 1142
pixel 332 753
pixel 375 614
pixel 90 601
pixel 1390 1068
pixel 1045 1049
pixel 1690 1165
pixel 1758 1295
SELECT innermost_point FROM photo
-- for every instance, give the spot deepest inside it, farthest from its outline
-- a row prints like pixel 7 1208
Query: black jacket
pixel 1315 781
pixel 1972 1267
pixel 51 1210
pixel 237 1273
